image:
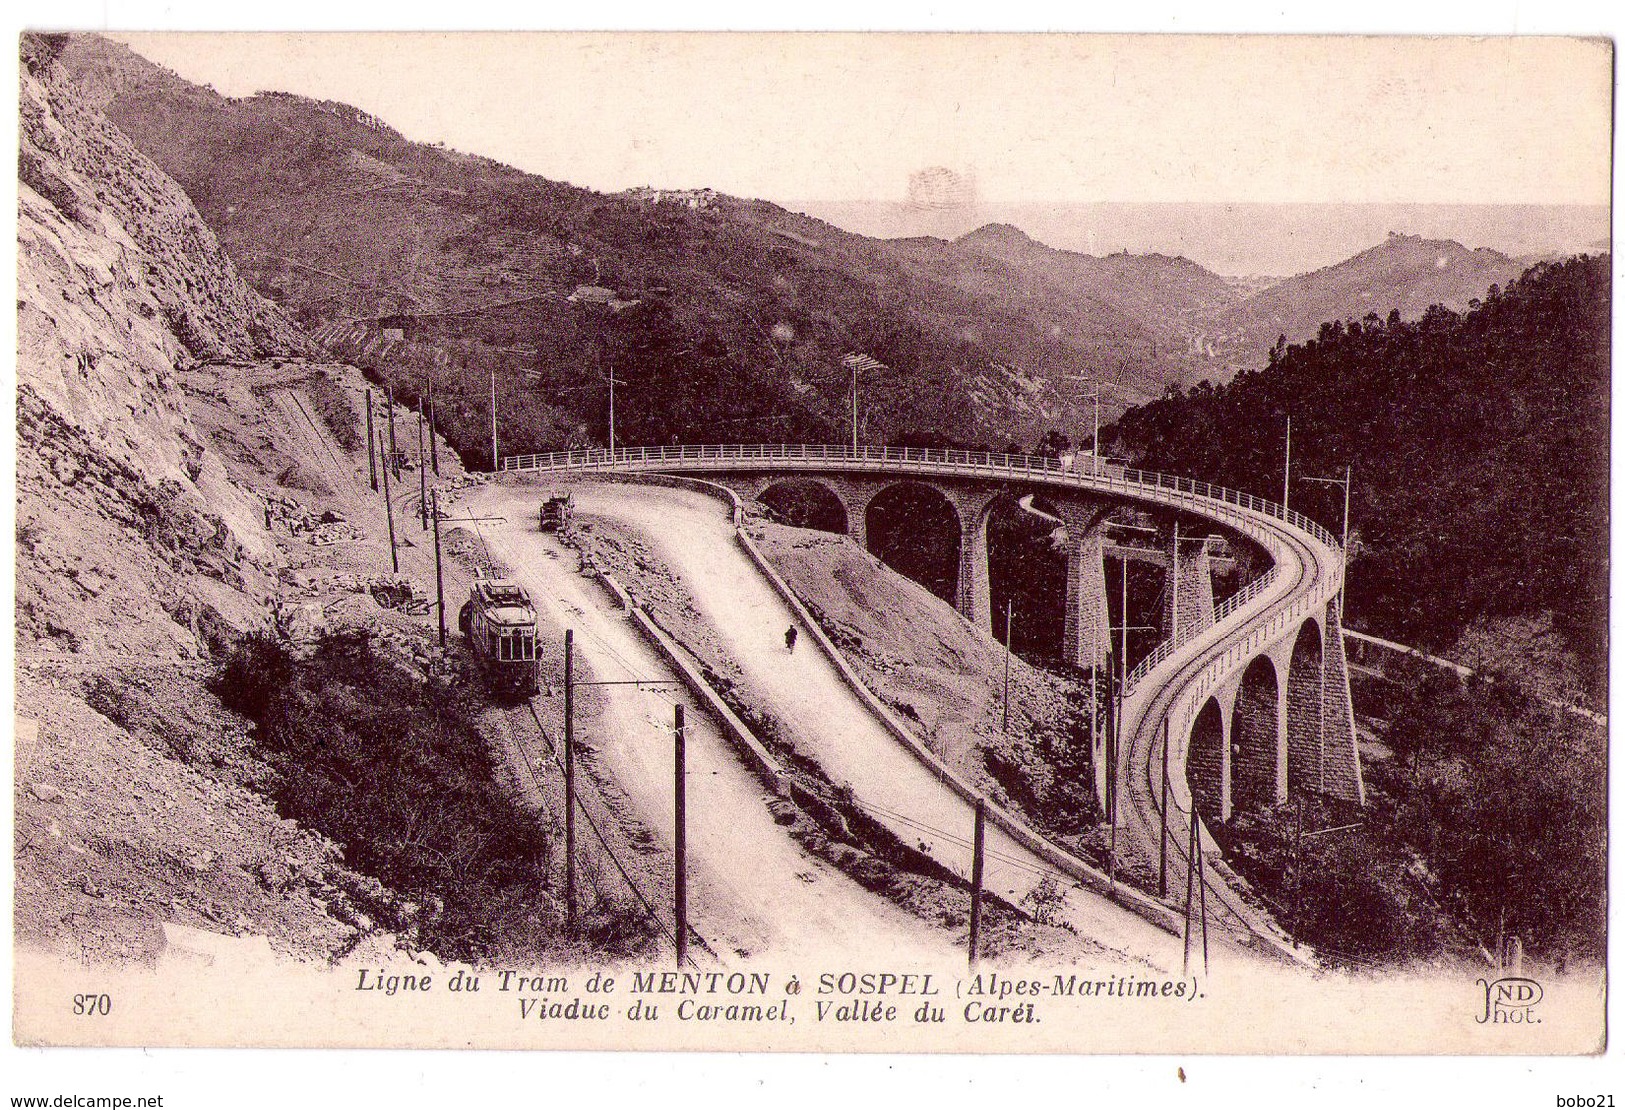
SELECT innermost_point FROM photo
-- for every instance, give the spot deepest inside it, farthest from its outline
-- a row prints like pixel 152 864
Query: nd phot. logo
pixel 1510 1001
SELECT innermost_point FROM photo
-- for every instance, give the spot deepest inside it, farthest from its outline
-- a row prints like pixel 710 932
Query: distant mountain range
pixel 724 318
pixel 1237 238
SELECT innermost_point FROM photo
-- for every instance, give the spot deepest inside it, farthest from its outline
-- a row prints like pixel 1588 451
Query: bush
pixel 1490 820
pixel 333 405
pixel 256 671
pixel 398 775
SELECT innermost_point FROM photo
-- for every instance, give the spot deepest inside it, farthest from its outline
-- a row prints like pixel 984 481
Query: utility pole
pixel 1190 889
pixel 1007 614
pixel 1094 445
pixel 389 515
pixel 854 408
pixel 1286 484
pixel 1111 787
pixel 1094 712
pixel 1321 760
pixel 439 573
pixel 1173 590
pixel 496 461
pixel 977 844
pixel 372 465
pixel 1342 598
pixel 569 783
pixel 1162 850
pixel 680 884
pixel 1297 852
pixel 394 452
pixel 423 476
pixel 855 362
pixel 1115 695
pixel 434 450
pixel 1201 880
pixel 1116 735
pixel 1346 481
pixel 612 412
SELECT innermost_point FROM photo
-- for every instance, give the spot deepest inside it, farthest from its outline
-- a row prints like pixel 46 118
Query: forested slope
pixel 1479 447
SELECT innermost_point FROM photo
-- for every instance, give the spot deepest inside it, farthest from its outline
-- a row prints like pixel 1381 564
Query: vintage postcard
pixel 812 542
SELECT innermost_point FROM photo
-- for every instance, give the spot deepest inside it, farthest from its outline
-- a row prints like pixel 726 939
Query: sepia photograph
pixel 828 543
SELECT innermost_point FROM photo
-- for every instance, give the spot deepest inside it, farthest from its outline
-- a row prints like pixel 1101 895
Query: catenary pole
pixel 1348 481
pixel 1162 850
pixel 372 464
pixel 569 782
pixel 1111 784
pixel 389 516
pixel 1095 447
pixel 978 842
pixel 434 450
pixel 423 476
pixel 439 572
pixel 1008 611
pixel 1173 591
pixel 680 797
pixel 1201 884
pixel 1094 715
pixel 394 451
pixel 854 408
pixel 1286 482
pixel 1190 889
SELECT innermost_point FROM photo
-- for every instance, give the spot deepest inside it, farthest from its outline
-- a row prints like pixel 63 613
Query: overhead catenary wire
pixel 603 842
pixel 1037 870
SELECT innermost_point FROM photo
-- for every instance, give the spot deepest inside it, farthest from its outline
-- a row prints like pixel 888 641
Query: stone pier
pixel 1087 639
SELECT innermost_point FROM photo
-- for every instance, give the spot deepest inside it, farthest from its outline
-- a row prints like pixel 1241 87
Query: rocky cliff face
pixel 148 454
pixel 130 537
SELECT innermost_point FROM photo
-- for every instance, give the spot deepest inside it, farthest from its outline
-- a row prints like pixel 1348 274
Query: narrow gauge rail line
pixel 518 724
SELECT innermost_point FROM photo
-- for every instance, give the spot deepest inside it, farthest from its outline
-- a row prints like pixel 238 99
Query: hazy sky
pixel 1035 118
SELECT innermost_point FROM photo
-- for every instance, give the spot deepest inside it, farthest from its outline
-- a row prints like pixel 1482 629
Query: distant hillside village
pixel 336 108
pixel 696 199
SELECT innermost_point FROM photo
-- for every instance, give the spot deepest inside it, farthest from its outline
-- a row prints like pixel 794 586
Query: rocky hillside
pixel 181 480
pixel 135 554
pixel 120 284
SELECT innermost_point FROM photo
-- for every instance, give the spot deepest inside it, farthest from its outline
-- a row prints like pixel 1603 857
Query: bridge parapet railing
pixel 1096 473
pixel 1225 609
pixel 1097 470
pixel 1213 500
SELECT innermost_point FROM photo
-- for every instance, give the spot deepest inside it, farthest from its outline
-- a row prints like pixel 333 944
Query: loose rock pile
pixel 323 528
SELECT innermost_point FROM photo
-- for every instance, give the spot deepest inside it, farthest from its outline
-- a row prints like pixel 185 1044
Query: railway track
pixel 541 765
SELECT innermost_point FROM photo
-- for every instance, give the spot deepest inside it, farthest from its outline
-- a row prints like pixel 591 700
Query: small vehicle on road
pixel 499 624
pixel 554 514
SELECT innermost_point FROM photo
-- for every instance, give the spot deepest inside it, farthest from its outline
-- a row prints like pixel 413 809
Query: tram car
pixel 499 625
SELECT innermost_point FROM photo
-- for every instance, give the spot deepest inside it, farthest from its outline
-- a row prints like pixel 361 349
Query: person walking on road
pixel 790 635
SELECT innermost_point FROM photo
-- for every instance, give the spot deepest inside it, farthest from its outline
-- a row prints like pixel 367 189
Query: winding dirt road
pixel 694 538
pixel 753 891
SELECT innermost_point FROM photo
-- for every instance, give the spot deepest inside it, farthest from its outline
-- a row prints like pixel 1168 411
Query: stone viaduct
pixel 1281 726
pixel 1275 725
